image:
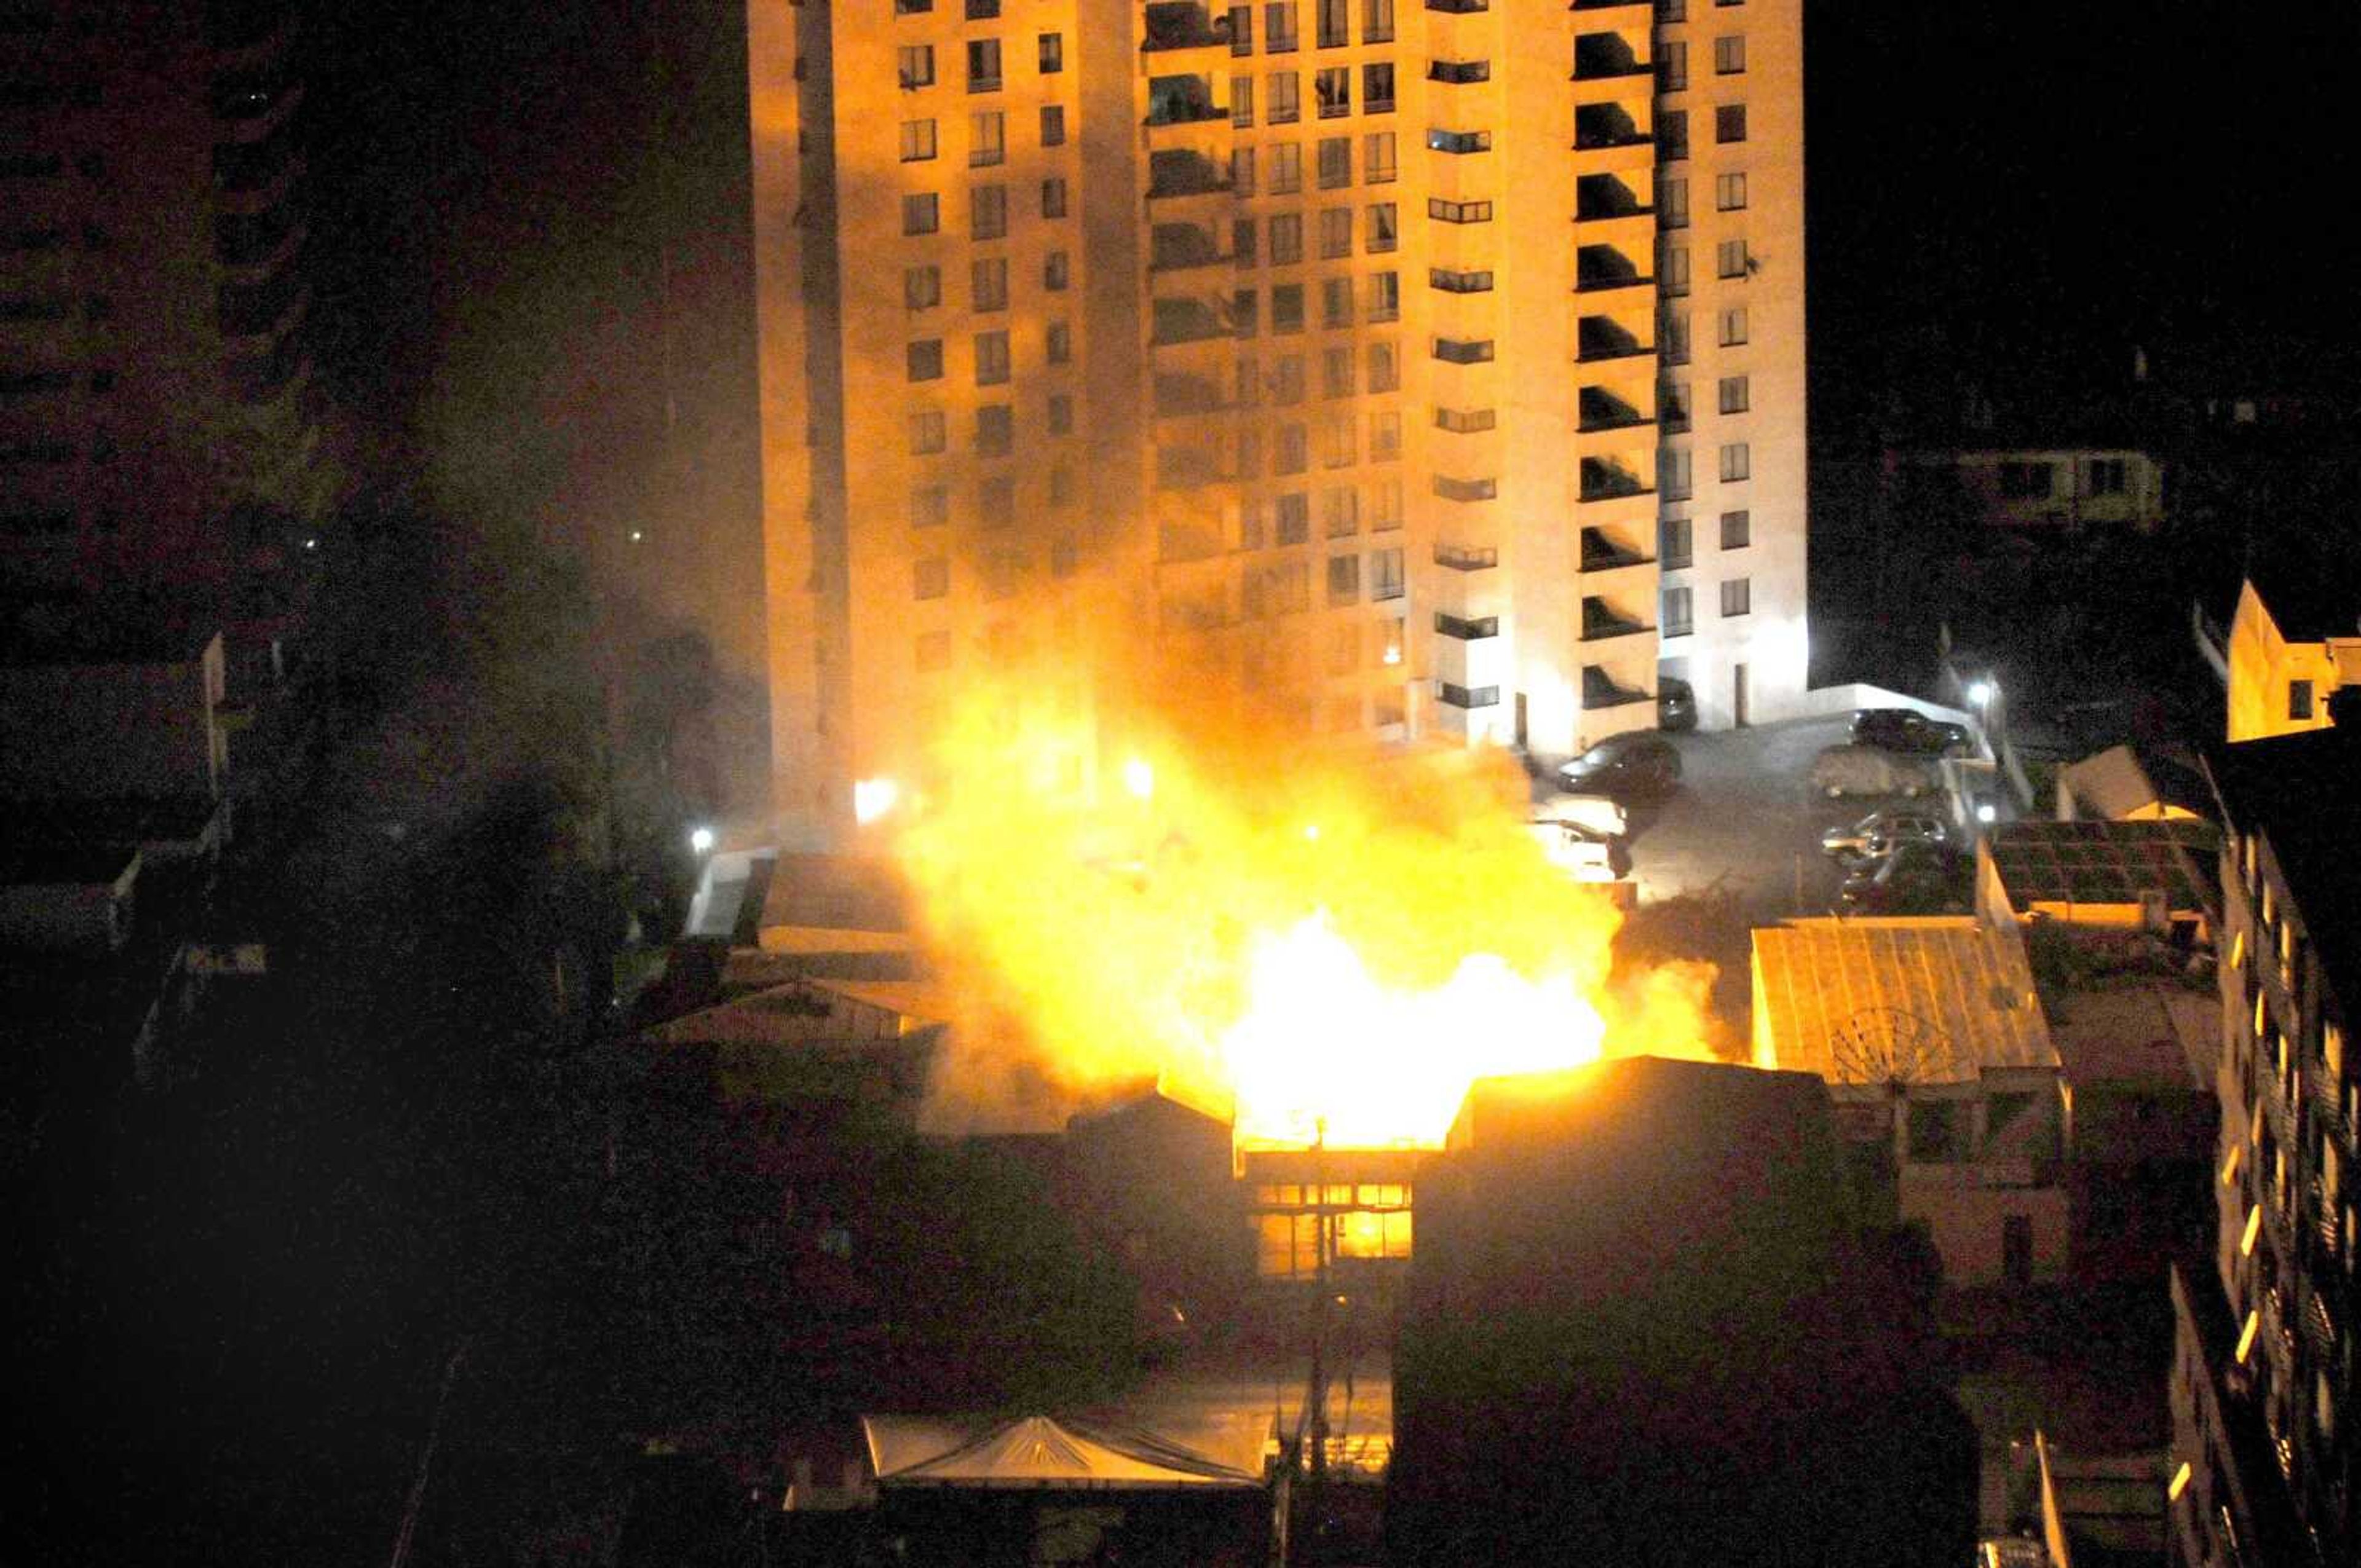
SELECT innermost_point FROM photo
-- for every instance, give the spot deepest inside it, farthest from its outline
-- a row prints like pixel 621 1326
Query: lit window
pixel 983 65
pixel 916 65
pixel 1377 159
pixel 917 140
pixel 1730 192
pixel 1053 53
pixel 1734 327
pixel 1384 228
pixel 1730 259
pixel 1333 89
pixel 1673 203
pixel 1286 99
pixel 1286 169
pixel 922 287
pixel 987 139
pixel 1737 462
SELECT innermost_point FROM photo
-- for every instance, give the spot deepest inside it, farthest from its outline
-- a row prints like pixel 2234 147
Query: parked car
pixel 1910 879
pixel 1594 813
pixel 1913 734
pixel 1633 764
pixel 1844 770
pixel 1585 855
pixel 1880 831
pixel 1675 704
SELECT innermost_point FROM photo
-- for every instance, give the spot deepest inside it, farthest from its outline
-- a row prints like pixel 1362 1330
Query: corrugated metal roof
pixel 2105 863
pixel 1953 995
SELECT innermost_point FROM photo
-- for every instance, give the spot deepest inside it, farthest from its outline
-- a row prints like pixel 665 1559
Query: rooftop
pixel 2105 863
pixel 1935 1001
pixel 2122 780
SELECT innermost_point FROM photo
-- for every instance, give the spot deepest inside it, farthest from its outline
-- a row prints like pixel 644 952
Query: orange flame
pixel 1326 944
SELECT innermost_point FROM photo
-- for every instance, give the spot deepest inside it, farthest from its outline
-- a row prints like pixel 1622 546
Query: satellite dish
pixel 1887 1045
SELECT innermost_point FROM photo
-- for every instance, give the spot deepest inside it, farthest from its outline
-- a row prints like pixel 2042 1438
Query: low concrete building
pixel 1947 1085
pixel 2120 784
pixel 2294 640
pixel 2036 489
pixel 2154 876
pixel 68 899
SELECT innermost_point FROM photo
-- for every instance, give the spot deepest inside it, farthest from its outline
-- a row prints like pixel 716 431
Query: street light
pixel 1981 693
pixel 701 839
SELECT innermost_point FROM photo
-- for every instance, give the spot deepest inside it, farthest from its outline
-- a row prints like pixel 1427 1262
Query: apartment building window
pixel 995 501
pixel 1340 512
pixel 1385 228
pixel 930 578
pixel 995 429
pixel 927 432
pixel 1286 238
pixel 1335 232
pixel 917 140
pixel 1729 123
pixel 1672 10
pixel 921 213
pixel 1287 307
pixel 1293 453
pixel 923 360
pixel 1053 125
pixel 1294 518
pixel 1241 100
pixel 912 7
pixel 1279 36
pixel 1378 88
pixel 1242 29
pixel 1463 350
pixel 1245 317
pixel 1286 169
pixel 1458 141
pixel 1336 23
pixel 2109 476
pixel 1730 54
pixel 1452 280
pixel 1673 407
pixel 1737 530
pixel 1242 171
pixel 1335 163
pixel 1385 583
pixel 982 10
pixel 1245 459
pixel 987 139
pixel 1734 327
pixel 1737 462
pixel 1336 372
pixel 1677 618
pixel 988 211
pixel 983 65
pixel 916 64
pixel 2024 480
pixel 922 287
pixel 1671 66
pixel 1286 99
pixel 1385 368
pixel 1059 343
pixel 991 358
pixel 1459 212
pixel 1344 579
pixel 1053 197
pixel 1672 337
pixel 1377 159
pixel 1385 296
pixel 1287 379
pixel 1053 53
pixel 1331 88
pixel 1246 236
pixel 1466 422
pixel 1673 270
pixel 1672 134
pixel 2298 699
pixel 930 506
pixel 1056 271
pixel 1377 21
pixel 1729 260
pixel 1061 413
pixel 1459 72
pixel 1335 302
pixel 1737 598
pixel 1672 203
pixel 1734 394
pixel 1730 192
pixel 1386 505
pixel 1385 435
pixel 1675 544
pixel 1673 481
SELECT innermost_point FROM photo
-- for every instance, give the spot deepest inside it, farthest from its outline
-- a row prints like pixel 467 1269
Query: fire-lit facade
pixel 1426 369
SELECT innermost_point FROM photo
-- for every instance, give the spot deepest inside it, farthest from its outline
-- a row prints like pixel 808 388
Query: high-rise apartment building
pixel 1430 369
pixel 154 379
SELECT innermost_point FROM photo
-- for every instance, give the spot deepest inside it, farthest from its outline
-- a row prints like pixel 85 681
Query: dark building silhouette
pixel 1640 1328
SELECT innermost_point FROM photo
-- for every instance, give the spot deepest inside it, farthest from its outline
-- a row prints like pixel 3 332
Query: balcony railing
pixel 1601 125
pixel 1599 197
pixel 1183 25
pixel 1468 697
pixel 1601 690
pixel 1184 174
pixel 1602 553
pixel 1458 72
pixel 1601 337
pixel 1462 630
pixel 1601 624
pixel 1602 266
pixel 1604 480
pixel 1603 57
pixel 1461 558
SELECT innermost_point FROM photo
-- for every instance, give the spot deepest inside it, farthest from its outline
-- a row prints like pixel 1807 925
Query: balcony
pixel 1602 623
pixel 1458 72
pixel 1603 269
pixel 1600 127
pixel 1468 697
pixel 1598 198
pixel 1608 66
pixel 1186 467
pixel 1600 408
pixel 1183 101
pixel 1186 320
pixel 1601 690
pixel 1464 630
pixel 1459 7
pixel 1178 395
pixel 1174 174
pixel 1602 552
pixel 1598 338
pixel 1464 558
pixel 1182 26
pixel 1604 479
pixel 1176 248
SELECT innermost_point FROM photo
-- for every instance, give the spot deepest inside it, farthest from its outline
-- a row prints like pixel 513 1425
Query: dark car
pixel 1909 879
pixel 1880 831
pixel 1639 763
pixel 1675 704
pixel 1911 733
